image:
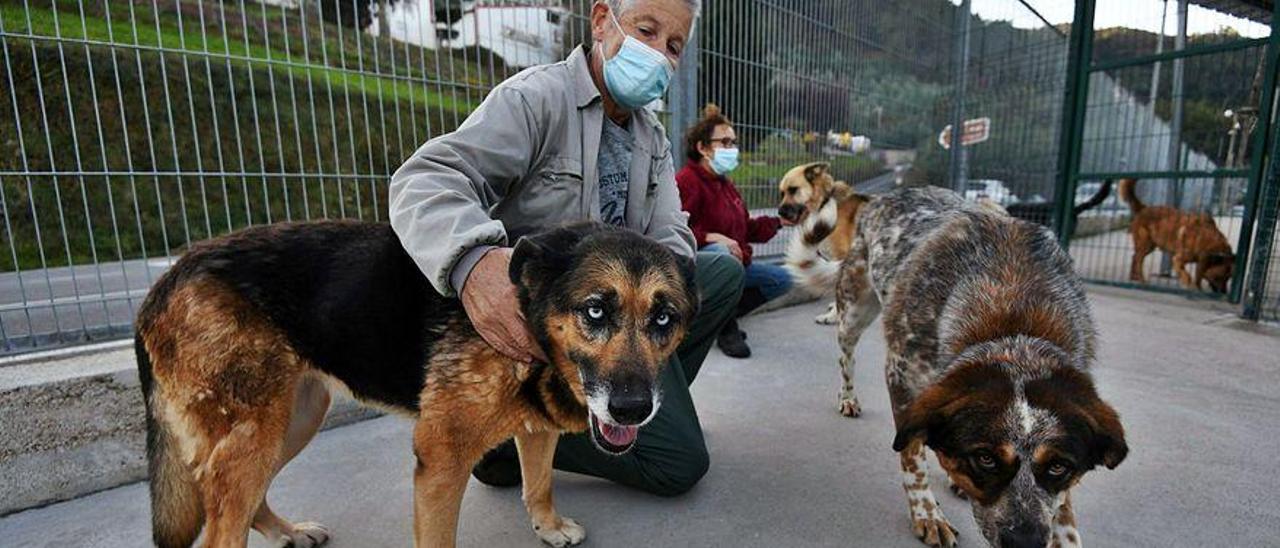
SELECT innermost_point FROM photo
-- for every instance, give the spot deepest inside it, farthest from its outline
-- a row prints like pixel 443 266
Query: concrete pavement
pixel 1199 396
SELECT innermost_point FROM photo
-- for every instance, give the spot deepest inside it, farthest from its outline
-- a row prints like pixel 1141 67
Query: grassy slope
pixel 92 108
pixel 171 32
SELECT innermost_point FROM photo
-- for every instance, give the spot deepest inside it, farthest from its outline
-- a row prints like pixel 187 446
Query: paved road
pixel 45 302
pixel 1198 401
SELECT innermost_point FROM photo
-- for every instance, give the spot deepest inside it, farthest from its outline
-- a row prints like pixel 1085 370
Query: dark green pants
pixel 670 456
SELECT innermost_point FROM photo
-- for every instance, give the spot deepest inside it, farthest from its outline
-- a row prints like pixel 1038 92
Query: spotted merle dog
pixel 989 340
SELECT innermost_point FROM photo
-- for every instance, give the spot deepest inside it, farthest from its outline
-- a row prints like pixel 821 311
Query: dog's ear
pixel 815 170
pixel 1107 447
pixel 1071 395
pixel 978 389
pixel 925 415
pixel 545 255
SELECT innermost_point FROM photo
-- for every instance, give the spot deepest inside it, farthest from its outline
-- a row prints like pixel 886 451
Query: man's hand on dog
pixel 490 300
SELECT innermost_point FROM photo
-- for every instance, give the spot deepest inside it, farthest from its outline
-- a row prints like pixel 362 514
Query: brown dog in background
pixel 1190 237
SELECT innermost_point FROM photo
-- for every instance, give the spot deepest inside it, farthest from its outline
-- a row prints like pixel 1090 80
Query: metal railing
pixel 1158 117
pixel 133 128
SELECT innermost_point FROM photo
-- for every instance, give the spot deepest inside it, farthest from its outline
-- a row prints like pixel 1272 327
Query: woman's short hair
pixel 702 131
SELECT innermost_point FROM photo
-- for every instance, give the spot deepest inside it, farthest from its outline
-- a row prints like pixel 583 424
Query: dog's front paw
pixel 935 530
pixel 563 532
pixel 850 407
pixel 827 318
pixel 307 534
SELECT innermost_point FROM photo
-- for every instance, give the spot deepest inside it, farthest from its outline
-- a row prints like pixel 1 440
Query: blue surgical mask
pixel 638 74
pixel 724 160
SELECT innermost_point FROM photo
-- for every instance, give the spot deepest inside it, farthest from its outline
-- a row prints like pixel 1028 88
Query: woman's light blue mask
pixel 638 74
pixel 724 160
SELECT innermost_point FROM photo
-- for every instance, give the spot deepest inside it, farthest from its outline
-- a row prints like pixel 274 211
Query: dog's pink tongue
pixel 619 435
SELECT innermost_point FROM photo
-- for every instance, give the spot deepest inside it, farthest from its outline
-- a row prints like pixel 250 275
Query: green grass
pixel 69 25
pixel 93 108
pixel 846 167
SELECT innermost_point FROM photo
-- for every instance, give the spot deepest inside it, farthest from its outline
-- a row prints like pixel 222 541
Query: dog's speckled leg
pixel 927 521
pixel 1065 534
pixel 857 306
pixel 830 317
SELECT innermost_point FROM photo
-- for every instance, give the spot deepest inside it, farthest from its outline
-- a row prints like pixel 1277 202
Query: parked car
pixel 989 189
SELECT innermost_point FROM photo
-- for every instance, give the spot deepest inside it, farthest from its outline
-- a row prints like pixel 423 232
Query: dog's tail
pixel 1130 196
pixel 1098 198
pixel 177 514
pixel 804 261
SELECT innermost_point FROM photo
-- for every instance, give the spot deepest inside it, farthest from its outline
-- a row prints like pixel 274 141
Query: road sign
pixel 975 131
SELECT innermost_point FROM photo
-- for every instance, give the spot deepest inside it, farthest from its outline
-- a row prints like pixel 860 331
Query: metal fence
pixel 802 79
pixel 1189 118
pixel 1261 294
pixel 132 128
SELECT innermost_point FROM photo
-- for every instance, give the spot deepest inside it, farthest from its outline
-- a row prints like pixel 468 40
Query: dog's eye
pixel 662 320
pixel 986 461
pixel 595 312
pixel 1059 469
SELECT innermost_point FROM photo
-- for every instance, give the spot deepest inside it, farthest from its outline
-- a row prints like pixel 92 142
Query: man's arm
pixel 440 198
pixel 669 225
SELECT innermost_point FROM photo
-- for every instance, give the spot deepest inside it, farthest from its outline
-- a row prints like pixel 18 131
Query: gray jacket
pixel 523 161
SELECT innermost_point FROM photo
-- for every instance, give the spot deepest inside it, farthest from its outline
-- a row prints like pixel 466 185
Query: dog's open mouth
pixel 611 438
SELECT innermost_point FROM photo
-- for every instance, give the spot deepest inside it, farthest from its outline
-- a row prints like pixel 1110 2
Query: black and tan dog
pixel 989 340
pixel 241 342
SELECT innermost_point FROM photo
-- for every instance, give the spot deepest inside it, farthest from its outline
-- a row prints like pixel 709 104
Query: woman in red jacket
pixel 720 220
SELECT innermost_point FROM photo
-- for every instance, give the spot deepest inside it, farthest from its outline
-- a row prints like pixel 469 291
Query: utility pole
pixel 959 162
pixel 1152 120
pixel 1175 124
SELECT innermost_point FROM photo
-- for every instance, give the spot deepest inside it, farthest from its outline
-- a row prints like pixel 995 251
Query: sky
pixel 1139 14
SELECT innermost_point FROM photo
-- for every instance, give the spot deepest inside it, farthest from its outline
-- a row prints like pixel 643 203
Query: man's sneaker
pixel 500 467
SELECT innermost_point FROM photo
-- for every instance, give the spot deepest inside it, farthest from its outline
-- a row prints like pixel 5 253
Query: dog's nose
pixel 630 407
pixel 1026 535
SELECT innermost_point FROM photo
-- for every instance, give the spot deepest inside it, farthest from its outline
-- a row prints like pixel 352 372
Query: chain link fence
pixel 869 87
pixel 133 128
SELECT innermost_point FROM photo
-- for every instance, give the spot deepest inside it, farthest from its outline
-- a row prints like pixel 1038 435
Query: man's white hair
pixel 620 7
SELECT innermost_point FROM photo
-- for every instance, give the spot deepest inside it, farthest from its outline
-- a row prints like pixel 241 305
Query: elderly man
pixel 566 142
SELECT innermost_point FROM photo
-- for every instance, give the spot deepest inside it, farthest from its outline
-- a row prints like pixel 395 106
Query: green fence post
pixel 1264 246
pixel 1257 157
pixel 1073 114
